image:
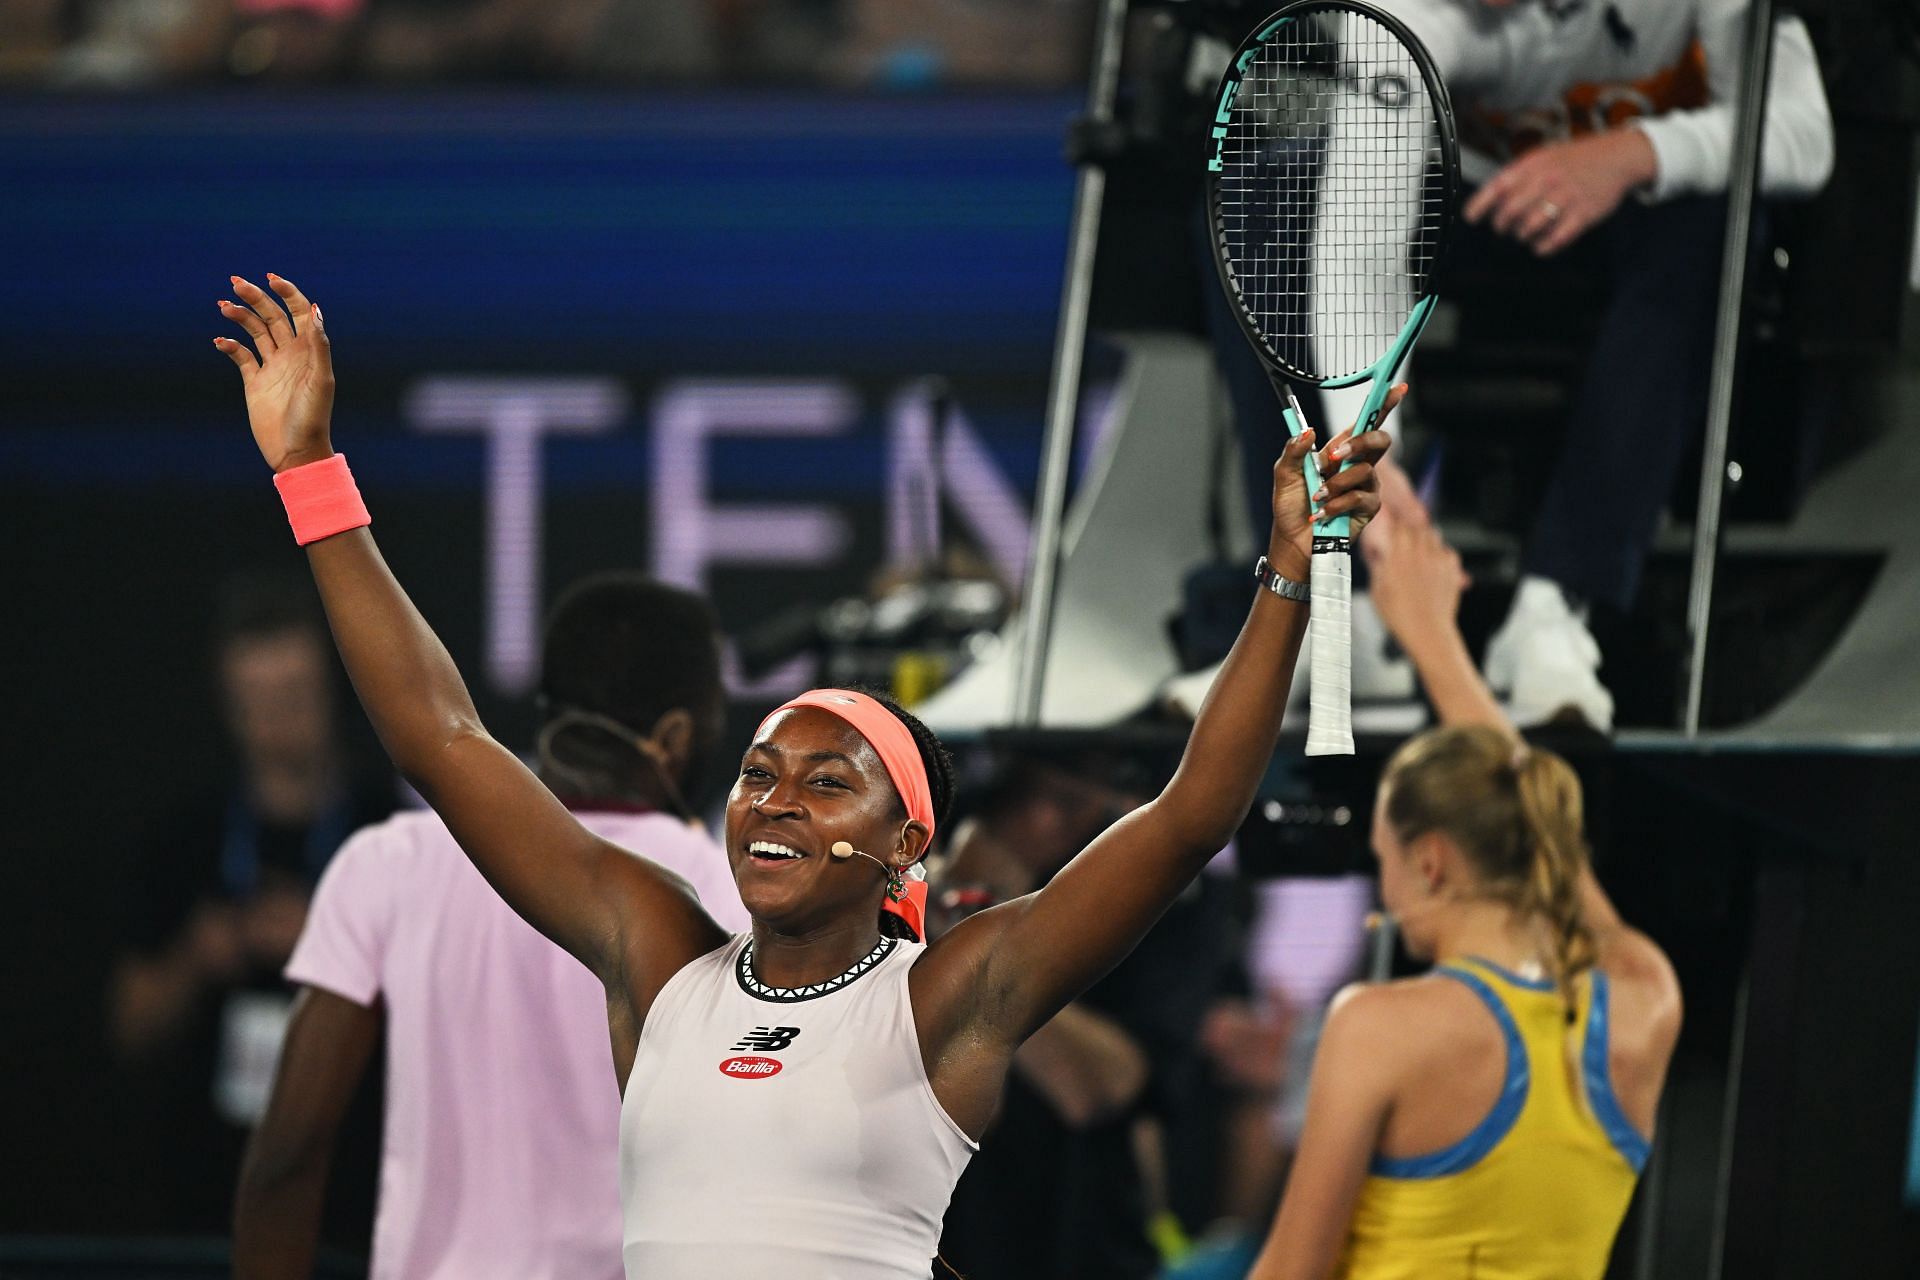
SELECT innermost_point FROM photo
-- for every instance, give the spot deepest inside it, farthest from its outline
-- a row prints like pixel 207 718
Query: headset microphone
pixel 841 851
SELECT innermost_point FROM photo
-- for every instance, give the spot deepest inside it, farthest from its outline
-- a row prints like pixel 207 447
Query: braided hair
pixel 938 763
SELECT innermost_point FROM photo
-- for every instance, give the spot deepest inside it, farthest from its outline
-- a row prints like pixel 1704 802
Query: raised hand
pixel 1353 492
pixel 1416 580
pixel 289 386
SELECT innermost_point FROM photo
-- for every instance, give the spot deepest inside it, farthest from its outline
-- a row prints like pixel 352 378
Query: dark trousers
pixel 1642 399
pixel 1639 405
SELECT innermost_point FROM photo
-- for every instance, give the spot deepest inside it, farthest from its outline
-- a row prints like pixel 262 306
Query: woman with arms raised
pixel 1490 1118
pixel 798 1100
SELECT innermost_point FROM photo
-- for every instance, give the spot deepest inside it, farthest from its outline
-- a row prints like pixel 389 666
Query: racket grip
pixel 1330 633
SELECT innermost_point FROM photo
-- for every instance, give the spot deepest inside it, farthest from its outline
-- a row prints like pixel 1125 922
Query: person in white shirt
pixel 1614 119
pixel 1605 125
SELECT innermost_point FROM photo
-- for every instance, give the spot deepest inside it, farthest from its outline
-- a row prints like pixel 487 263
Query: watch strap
pixel 1286 588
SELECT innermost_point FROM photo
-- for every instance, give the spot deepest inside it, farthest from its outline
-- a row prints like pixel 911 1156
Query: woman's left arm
pixel 1347 1104
pixel 1023 961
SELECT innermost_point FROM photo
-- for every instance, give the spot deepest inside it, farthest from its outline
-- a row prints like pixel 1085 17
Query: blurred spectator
pixel 895 44
pixel 911 44
pixel 198 1006
pixel 639 41
pixel 425 40
pixel 503 1123
pixel 136 44
pixel 1307 939
pixel 1057 1190
pixel 293 39
pixel 31 35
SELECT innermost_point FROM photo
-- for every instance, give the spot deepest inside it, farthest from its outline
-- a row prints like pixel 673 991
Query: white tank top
pixel 768 1132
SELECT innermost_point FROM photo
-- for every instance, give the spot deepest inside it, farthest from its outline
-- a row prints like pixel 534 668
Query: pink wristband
pixel 321 499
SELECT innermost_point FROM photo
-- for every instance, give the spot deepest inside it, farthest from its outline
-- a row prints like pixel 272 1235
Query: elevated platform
pixel 1813 638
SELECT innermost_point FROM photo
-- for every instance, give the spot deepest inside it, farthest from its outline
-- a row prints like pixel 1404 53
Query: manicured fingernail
pixel 1339 451
pixel 1322 495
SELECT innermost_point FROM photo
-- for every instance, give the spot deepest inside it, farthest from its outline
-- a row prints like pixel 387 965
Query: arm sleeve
pixel 1694 148
pixel 343 947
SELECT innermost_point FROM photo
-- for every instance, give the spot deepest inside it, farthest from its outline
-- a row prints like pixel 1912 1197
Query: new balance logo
pixel 767 1039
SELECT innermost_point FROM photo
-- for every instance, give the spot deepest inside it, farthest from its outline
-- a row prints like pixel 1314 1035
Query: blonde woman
pixel 1490 1118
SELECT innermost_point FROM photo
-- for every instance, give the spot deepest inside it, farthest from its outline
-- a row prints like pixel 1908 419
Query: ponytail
pixel 1515 812
pixel 1550 807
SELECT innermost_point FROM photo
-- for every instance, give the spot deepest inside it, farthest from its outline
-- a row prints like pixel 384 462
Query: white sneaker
pixel 1377 677
pixel 1545 662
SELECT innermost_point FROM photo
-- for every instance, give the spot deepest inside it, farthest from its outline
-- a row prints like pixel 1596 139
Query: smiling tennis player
pixel 800 1099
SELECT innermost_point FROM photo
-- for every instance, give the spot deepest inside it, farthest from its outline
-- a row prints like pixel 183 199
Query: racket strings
pixel 1330 199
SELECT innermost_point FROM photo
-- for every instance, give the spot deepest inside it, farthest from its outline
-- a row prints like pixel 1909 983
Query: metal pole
pixel 1063 394
pixel 1653 1196
pixel 1380 948
pixel 1743 179
pixel 1729 1122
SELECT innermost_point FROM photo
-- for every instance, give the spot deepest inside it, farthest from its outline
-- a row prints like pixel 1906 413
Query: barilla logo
pixel 750 1068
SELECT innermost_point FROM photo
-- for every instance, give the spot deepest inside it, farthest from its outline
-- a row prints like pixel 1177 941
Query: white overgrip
pixel 1330 635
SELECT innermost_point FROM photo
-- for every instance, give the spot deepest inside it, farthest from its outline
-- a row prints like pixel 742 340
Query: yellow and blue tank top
pixel 1537 1190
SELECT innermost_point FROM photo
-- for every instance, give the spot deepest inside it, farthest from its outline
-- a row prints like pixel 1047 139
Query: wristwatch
pixel 1286 588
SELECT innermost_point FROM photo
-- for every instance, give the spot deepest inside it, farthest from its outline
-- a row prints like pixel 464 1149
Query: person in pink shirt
pixel 500 1153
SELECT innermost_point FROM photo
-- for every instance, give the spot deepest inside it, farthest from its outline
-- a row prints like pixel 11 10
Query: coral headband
pixel 886 734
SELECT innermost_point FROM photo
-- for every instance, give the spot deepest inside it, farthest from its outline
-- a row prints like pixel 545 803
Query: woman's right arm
pixel 1416 581
pixel 633 923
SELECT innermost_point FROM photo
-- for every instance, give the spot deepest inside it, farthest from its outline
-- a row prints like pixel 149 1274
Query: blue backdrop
pixel 643 238
pixel 673 231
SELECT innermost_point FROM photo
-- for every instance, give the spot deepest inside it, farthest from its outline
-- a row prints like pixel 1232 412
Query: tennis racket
pixel 1332 172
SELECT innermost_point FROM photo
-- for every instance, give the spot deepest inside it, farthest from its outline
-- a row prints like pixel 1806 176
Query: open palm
pixel 289 386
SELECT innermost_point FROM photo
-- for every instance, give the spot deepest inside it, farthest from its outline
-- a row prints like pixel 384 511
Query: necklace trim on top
pixel 789 995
